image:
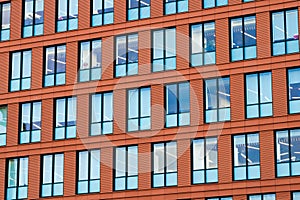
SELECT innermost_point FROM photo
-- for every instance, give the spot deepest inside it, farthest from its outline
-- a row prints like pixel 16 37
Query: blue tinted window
pixel 30 122
pixel 103 12
pixel 259 95
pixel 17 179
pixel 214 3
pixel 67 15
pixel 296 195
pixel 20 71
pixel 262 197
pixel 55 66
pixel 176 6
pixel 248 0
pixel 294 90
pixel 52 175
pixel 203 42
pixel 126 168
pixel 88 174
pixel 205 160
pixel 33 21
pixel 138 9
pixel 219 198
pixel 126 55
pixel 287 152
pixel 4 21
pixel 285 32
pixel 217 98
pixel 139 109
pixel 177 104
pixel 3 125
pixel 65 120
pixel 164 50
pixel 164 171
pixel 246 157
pixel 101 114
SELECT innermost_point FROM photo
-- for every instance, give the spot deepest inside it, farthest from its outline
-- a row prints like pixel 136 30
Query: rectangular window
pixel 53 175
pixel 262 197
pixel 17 178
pixel 88 174
pixel 33 18
pixel 67 15
pixel 243 38
pixel 219 198
pixel 296 195
pixel 138 9
pixel 246 156
pixel 103 12
pixel 203 42
pixel 177 104
pixel 101 116
pixel 259 95
pixel 164 172
pixel 139 109
pixel 288 152
pixel 55 66
pixel 65 120
pixel 217 100
pixel 205 160
pixel 214 3
pixel 4 21
pixel 294 90
pixel 20 70
pixel 164 50
pixel 90 60
pixel 176 6
pixel 248 0
pixel 285 32
pixel 126 55
pixel 126 168
pixel 3 125
pixel 30 122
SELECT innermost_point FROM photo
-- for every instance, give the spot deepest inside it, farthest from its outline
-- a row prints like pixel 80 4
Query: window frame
pixel 1 15
pixel 126 167
pixel 102 18
pixel 288 90
pixel 219 198
pixel 67 16
pixel 138 10
pixel 33 19
pixel 31 103
pixel 294 192
pixel 215 1
pixel 2 134
pixel 176 12
pixel 261 195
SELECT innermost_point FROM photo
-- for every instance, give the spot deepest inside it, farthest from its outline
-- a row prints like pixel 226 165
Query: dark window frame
pixel 139 11
pixel 102 18
pixel 261 195
pixel 1 15
pixel 288 90
pixel 67 17
pixel 4 106
pixel 215 4
pixel 165 3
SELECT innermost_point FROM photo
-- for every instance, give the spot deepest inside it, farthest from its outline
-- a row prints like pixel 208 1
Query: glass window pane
pixel 36 118
pixel 108 108
pixel 132 161
pixel 72 111
pixel 250 30
pixel 170 42
pixel 47 169
pixel 133 48
pixel 171 99
pixel 85 55
pixel 26 64
pixel 158 160
pixel 197 38
pixel 240 150
pixel 184 97
pixel 95 164
pixel 133 98
pixel 145 102
pixel 16 65
pixel 83 165
pixel 278 26
pixel 253 149
pixel 12 172
pixel 60 112
pixel 120 161
pixel 292 24
pixel 3 119
pixel 171 154
pixel 209 37
pixel 211 153
pixel 198 154
pixel 59 168
pixel 26 116
pixel 158 44
pixel 23 172
pixel 252 88
pixel 265 87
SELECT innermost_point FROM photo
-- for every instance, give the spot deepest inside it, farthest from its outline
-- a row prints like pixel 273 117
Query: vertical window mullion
pixel 165 164
pixel 246 152
pixel 1 7
pixel 126 48
pixel 68 10
pixel 243 28
pixel 258 93
pixel 102 113
pixel 91 59
pixel 285 31
pixel 164 48
pixel 139 107
pixel 126 167
pixel 18 177
pixel 89 169
pixel 33 22
pixel 66 115
pixel 55 65
pixel 178 102
pixel 204 149
pixel 53 174
pixel 31 117
pixel 103 11
pixel 218 99
pixel 290 154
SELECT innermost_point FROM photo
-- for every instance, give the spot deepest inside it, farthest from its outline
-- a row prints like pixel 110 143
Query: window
pixel 164 50
pixel 296 195
pixel 164 172
pixel 138 9
pixel 33 18
pixel 101 116
pixel 259 95
pixel 243 38
pixel 177 104
pixel 262 197
pixel 30 123
pixel 246 156
pixel 126 168
pixel 90 60
pixel 217 100
pixel 220 198
pixel 214 3
pixel 65 121
pixel 55 66
pixel 248 0
pixel 285 32
pixel 176 6
pixel 88 172
pixel 139 109
pixel 53 175
pixel 4 21
pixel 294 90
pixel 203 51
pixel 126 55
pixel 3 125
pixel 288 152
pixel 20 70
pixel 103 12
pixel 205 160
pixel 17 178
pixel 67 15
